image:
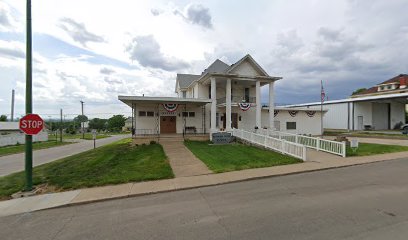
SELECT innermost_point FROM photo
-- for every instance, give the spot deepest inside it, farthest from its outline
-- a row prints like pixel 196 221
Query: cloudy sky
pixel 96 50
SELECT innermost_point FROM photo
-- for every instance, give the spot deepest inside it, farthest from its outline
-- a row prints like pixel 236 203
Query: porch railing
pixel 194 131
pixel 279 145
pixel 237 99
pixel 144 132
pixel 320 144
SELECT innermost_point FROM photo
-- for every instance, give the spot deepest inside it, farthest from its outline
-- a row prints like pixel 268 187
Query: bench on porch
pixel 190 130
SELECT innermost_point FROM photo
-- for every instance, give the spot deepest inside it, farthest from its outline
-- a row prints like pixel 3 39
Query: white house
pixel 222 97
pixel 380 107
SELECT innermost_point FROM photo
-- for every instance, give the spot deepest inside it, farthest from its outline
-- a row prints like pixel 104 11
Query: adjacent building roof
pixel 402 78
pixel 217 66
pixel 185 80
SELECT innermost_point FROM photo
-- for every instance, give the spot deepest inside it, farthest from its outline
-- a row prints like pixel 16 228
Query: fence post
pixel 283 146
pixel 318 144
pixel 304 153
pixel 296 138
pixel 344 149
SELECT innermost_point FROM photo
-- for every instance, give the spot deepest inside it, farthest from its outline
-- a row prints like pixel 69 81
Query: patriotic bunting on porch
pixel 293 113
pixel 310 113
pixel 275 113
pixel 170 107
pixel 244 106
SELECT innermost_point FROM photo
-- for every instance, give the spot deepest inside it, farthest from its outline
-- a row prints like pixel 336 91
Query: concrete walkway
pixel 182 160
pixel 89 195
pixel 15 162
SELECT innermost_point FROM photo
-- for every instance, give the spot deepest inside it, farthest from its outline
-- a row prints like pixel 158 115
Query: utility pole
pixel 61 125
pixel 29 103
pixel 12 106
pixel 82 123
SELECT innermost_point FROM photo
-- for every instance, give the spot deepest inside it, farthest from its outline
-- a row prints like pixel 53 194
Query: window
pixel 209 92
pixel 246 94
pixel 184 93
pixel 146 114
pixel 188 114
pixel 290 125
pixel 389 87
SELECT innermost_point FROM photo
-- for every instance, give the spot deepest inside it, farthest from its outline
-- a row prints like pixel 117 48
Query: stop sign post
pixel 31 124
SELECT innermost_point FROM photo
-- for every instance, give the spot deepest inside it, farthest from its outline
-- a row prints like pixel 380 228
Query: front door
pixel 168 124
pixel 234 120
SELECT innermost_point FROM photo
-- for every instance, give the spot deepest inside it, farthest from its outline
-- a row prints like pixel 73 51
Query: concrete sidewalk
pixel 15 162
pixel 182 160
pixel 89 195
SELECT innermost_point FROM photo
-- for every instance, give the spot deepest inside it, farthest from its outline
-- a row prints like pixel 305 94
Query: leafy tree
pixel 81 119
pixel 116 123
pixel 98 124
pixel 3 118
pixel 358 91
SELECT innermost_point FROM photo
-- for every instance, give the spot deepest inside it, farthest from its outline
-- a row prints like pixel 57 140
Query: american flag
pixel 322 94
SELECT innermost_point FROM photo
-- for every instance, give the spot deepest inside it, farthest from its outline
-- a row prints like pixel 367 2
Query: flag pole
pixel 321 106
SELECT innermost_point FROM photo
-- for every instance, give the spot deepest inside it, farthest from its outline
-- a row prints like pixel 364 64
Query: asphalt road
pixel 15 162
pixel 360 202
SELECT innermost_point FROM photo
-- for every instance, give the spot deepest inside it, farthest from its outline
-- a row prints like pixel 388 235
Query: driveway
pixel 360 202
pixel 15 163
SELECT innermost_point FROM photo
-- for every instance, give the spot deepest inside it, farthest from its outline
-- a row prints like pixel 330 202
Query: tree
pixel 98 124
pixel 358 91
pixel 81 118
pixel 3 118
pixel 116 123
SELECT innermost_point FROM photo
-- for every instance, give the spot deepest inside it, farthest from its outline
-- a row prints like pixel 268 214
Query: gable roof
pixel 217 66
pixel 374 89
pixel 251 60
pixel 184 80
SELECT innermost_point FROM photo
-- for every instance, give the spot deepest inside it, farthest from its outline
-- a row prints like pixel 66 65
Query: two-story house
pixel 222 97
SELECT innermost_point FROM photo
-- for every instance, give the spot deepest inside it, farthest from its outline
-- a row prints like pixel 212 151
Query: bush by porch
pixel 232 157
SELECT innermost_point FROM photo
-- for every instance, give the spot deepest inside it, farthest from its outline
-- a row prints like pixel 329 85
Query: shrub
pixel 152 142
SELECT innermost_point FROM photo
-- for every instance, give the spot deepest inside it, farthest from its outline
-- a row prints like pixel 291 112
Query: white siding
pixel 336 116
pixel 380 116
pixel 397 113
pixel 245 68
pixel 304 123
pixel 365 110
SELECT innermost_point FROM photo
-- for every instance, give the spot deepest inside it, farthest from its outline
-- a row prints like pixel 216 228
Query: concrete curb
pixel 216 184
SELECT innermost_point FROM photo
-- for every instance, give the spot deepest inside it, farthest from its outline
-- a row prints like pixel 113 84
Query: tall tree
pixel 98 124
pixel 116 123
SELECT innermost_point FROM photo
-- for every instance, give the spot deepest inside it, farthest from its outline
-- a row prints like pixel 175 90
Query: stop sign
pixel 31 124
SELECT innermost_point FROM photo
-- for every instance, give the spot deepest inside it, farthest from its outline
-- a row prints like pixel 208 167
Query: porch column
pixel 228 105
pixel 271 106
pixel 213 106
pixel 258 104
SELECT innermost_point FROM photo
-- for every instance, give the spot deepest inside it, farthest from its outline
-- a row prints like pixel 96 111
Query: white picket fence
pixel 279 145
pixel 334 147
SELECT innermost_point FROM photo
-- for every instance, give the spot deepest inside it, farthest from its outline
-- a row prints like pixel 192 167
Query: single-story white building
pixel 10 134
pixel 222 97
pixel 380 107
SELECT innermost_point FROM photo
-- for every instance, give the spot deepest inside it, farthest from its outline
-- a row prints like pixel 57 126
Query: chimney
pixel 403 81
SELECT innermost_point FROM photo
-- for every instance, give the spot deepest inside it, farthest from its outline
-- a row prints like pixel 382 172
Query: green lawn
pixel 119 162
pixel 232 157
pixel 367 149
pixel 7 150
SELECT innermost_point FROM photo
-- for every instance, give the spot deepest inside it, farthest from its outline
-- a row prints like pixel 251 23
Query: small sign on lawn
pixel 222 138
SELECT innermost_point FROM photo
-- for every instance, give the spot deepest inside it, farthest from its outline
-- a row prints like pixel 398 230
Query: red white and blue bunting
pixel 275 113
pixel 170 107
pixel 310 113
pixel 293 113
pixel 244 106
